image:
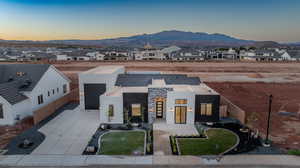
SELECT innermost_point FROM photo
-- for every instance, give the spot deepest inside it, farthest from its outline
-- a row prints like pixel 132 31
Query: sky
pixel 276 20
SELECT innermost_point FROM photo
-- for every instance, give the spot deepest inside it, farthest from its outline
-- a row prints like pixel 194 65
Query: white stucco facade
pixel 107 75
pixel 117 100
pixel 170 110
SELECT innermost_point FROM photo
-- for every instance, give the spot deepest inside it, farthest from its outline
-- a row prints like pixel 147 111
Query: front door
pixel 180 115
pixel 159 109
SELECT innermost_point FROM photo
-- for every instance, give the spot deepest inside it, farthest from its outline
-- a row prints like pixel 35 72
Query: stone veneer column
pixel 154 93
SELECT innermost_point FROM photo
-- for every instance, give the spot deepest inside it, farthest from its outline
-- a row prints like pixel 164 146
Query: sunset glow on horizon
pixel 276 20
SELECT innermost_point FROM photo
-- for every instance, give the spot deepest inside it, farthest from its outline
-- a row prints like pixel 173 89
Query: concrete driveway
pixel 68 133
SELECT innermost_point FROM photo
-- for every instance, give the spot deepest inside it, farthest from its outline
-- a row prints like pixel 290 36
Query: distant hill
pixel 294 43
pixel 266 44
pixel 177 38
pixel 164 38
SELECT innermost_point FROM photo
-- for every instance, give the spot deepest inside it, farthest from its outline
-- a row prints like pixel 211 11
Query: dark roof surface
pixel 146 79
pixel 11 84
pixel 10 93
pixel 32 73
pixel 294 53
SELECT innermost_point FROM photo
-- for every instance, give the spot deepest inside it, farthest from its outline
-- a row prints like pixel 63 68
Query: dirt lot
pixel 253 98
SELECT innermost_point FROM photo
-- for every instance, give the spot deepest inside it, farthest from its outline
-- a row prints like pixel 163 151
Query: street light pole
pixel 269 116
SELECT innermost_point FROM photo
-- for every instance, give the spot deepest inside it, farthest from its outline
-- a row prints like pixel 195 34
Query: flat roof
pixel 203 89
pixel 107 69
pixel 118 91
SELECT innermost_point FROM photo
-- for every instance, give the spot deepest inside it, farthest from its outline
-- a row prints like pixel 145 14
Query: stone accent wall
pixel 154 93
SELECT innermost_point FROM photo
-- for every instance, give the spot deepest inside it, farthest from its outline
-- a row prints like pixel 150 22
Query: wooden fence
pixel 49 109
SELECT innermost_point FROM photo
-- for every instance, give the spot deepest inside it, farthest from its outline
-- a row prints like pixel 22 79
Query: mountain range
pixel 166 38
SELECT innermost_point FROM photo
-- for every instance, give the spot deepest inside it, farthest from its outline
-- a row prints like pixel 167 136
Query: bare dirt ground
pixel 254 99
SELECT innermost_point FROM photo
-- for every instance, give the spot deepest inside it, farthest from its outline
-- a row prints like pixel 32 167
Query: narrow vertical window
pixel 111 110
pixel 40 99
pixel 65 88
pixel 1 111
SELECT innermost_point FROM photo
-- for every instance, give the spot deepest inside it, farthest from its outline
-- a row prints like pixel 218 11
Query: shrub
pixel 173 144
pixel 294 152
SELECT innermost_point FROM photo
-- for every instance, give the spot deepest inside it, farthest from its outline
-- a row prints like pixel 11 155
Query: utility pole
pixel 269 116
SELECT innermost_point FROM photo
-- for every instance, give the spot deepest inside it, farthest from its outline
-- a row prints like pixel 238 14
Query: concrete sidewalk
pixel 80 160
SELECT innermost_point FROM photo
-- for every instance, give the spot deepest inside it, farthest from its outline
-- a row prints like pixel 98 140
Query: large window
pixel 110 110
pixel 40 99
pixel 1 111
pixel 206 109
pixel 181 101
pixel 136 110
pixel 65 88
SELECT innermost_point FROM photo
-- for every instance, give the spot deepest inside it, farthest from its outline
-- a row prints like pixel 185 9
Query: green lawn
pixel 122 143
pixel 219 140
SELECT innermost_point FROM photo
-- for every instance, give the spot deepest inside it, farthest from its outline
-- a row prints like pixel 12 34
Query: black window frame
pixel 65 88
pixel 40 99
pixel 1 111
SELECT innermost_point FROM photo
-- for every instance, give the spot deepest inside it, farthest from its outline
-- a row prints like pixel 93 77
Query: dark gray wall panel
pixel 91 95
pixel 135 98
pixel 214 100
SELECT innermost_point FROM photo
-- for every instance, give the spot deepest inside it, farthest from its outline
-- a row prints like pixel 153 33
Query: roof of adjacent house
pixel 10 93
pixel 294 53
pixel 146 79
pixel 15 78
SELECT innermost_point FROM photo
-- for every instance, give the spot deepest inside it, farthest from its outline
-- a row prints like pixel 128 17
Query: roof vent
pixel 20 73
pixel 25 84
pixel 10 79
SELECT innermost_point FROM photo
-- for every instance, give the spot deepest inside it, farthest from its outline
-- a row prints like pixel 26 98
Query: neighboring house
pixel 169 50
pixel 149 53
pixel 187 55
pixel 144 97
pixel 25 88
pixel 73 56
pixel 96 55
pixel 294 55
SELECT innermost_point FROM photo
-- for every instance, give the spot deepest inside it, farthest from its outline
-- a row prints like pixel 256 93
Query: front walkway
pixel 68 133
pixel 162 132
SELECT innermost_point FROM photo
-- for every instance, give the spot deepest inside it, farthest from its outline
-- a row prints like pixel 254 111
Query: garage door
pixel 91 95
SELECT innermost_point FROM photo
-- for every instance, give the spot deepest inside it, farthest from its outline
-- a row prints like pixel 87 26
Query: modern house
pixel 25 88
pixel 122 96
